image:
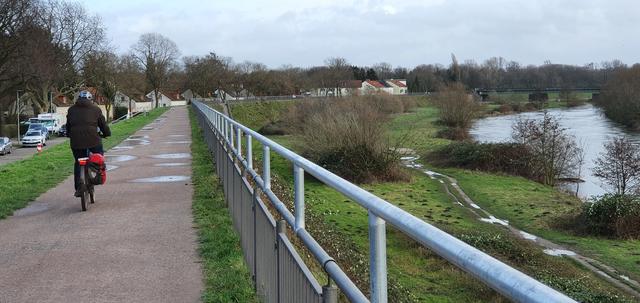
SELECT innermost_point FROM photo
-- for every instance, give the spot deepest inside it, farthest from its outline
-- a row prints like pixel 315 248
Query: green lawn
pixel 526 204
pixel 415 274
pixel 226 276
pixel 25 180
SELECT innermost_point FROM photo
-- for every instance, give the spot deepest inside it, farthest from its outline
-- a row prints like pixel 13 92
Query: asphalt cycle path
pixel 136 244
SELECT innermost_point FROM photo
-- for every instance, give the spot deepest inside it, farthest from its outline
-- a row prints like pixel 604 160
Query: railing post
pixel 249 152
pixel 377 259
pixel 281 228
pixel 230 134
pixel 329 294
pixel 239 141
pixel 298 196
pixel 266 167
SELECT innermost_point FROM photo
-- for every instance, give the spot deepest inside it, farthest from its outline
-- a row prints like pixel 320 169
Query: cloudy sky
pixel 401 32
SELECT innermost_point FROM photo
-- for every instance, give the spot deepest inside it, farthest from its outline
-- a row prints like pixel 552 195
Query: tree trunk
pixel 155 92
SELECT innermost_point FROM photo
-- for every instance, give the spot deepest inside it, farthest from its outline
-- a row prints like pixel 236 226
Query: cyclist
pixel 85 127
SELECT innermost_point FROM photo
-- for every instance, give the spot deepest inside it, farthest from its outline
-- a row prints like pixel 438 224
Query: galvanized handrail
pixel 506 280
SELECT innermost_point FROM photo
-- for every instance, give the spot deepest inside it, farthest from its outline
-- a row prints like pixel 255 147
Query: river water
pixel 587 123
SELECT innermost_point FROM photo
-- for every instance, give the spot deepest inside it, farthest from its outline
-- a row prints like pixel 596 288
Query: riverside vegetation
pixel 415 273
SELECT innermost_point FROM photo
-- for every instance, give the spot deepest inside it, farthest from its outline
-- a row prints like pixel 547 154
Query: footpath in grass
pixel 226 276
pixel 526 204
pixel 25 180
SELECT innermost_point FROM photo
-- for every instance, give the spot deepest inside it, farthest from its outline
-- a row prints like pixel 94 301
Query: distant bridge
pixel 537 90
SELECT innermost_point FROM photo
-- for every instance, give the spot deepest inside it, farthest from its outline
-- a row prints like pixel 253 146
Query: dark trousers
pixel 82 153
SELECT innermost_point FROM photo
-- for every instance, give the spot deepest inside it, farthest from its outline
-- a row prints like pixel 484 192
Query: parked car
pixel 34 137
pixel 62 132
pixel 5 146
pixel 39 127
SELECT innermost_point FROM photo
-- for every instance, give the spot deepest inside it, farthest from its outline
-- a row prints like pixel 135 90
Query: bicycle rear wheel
pixel 83 199
pixel 91 191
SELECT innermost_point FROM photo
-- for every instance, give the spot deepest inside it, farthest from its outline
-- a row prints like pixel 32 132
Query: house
pixel 62 104
pixel 399 86
pixel 348 88
pixel 167 98
pixel 375 87
pixel 189 95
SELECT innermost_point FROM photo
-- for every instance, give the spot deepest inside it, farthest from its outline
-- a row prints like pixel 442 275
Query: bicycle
pixel 92 172
pixel 86 185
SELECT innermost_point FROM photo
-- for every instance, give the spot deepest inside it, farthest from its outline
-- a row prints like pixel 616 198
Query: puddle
pixel 474 205
pixel 162 179
pixel 32 209
pixel 494 220
pixel 178 142
pixel 559 252
pixel 528 236
pixel 172 156
pixel 134 142
pixel 625 278
pixel 177 136
pixel 112 167
pixel 120 158
pixel 171 164
pixel 147 128
pixel 119 148
pixel 136 137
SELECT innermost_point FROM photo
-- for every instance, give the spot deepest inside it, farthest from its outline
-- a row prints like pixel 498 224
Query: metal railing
pixel 280 275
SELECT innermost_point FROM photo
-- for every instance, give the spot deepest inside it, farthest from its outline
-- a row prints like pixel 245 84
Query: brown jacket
pixel 83 121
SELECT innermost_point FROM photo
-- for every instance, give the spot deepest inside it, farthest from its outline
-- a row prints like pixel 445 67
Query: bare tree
pixel 73 34
pixel 338 72
pixel 15 17
pixel 157 55
pixel 100 71
pixel 619 165
pixel 556 154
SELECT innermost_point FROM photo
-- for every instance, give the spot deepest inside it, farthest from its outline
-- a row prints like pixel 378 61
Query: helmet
pixel 86 95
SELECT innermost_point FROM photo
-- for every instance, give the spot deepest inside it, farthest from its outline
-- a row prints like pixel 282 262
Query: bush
pixel 453 133
pixel 509 158
pixel 347 137
pixel 612 216
pixel 274 129
pixel 620 97
pixel 575 103
pixel 456 107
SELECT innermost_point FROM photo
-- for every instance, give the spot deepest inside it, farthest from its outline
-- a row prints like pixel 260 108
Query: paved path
pixel 136 244
pixel 19 153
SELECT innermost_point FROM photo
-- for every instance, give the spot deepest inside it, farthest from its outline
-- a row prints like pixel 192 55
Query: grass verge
pixel 226 276
pixel 25 180
pixel 426 276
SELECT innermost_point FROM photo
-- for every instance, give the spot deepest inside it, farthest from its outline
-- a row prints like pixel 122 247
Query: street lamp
pixel 18 110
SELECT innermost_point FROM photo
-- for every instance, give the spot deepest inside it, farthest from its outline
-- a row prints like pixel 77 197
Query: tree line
pixel 54 48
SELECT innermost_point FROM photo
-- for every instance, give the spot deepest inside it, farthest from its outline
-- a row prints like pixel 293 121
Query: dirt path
pixel 136 244
pixel 452 188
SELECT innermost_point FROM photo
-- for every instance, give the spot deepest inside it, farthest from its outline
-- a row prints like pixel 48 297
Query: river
pixel 587 123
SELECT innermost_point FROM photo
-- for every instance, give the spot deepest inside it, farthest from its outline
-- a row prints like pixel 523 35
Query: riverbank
pixel 410 266
pixel 527 205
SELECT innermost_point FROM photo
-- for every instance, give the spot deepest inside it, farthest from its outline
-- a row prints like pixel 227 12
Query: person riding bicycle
pixel 85 127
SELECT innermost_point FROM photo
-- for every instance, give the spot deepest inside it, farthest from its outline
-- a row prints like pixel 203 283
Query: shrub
pixel 509 158
pixel 457 107
pixel 453 133
pixel 575 103
pixel 612 215
pixel 505 108
pixel 620 97
pixel 347 137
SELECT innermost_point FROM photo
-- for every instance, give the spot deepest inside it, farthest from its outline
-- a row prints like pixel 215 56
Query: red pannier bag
pixel 98 169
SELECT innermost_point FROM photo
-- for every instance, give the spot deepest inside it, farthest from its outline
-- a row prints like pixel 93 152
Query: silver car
pixel 34 137
pixel 5 146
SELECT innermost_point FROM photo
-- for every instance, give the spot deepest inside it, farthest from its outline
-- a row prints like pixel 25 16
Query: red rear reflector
pixel 82 161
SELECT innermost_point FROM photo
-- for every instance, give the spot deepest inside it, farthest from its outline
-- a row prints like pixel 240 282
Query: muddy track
pixel 606 272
